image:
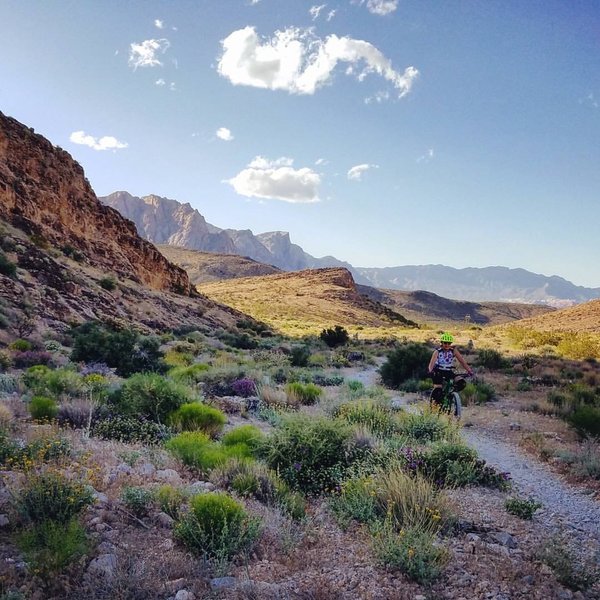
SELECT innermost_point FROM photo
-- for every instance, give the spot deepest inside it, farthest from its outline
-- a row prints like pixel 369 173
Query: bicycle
pixel 450 401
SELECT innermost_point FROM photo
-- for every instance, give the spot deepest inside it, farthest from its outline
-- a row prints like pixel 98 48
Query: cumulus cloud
pixel 381 7
pixel 298 62
pixel 277 180
pixel 107 142
pixel 145 54
pixel 356 172
pixel 224 134
pixel 159 24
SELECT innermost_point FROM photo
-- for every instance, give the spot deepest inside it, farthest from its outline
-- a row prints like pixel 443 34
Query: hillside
pixel 304 301
pixel 426 307
pixel 68 258
pixel 203 267
pixel 580 318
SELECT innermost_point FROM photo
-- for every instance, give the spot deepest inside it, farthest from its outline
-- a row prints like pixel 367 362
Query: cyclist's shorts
pixel 440 376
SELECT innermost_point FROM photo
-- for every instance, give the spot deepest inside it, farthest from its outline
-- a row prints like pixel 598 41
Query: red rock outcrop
pixel 44 192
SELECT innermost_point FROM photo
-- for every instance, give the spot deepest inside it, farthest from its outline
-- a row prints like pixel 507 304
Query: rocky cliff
pixel 44 193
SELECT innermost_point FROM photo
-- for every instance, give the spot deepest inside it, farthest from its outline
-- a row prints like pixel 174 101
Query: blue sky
pixel 382 132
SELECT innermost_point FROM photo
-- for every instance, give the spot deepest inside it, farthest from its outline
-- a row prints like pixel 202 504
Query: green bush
pixel 304 393
pixel 188 375
pixel 491 359
pixel 409 361
pixel 21 345
pixel 378 419
pixel 42 408
pixel 586 420
pixel 250 435
pixel 130 430
pixel 196 416
pixel 124 349
pixel 137 500
pixel 299 356
pixel 356 501
pixel 477 392
pixel 524 509
pixel 7 267
pixel 217 527
pixel 309 453
pixel 50 546
pixel 170 499
pixel 108 283
pixel 451 464
pixel 338 336
pixel 152 396
pixel 426 426
pixel 52 497
pixel 411 551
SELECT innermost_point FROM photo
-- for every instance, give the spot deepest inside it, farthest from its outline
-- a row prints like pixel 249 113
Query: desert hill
pixel 67 258
pixel 304 301
pixel 580 318
pixel 430 308
pixel 203 267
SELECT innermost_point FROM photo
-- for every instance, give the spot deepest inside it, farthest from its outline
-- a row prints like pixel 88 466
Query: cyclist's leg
pixel 437 394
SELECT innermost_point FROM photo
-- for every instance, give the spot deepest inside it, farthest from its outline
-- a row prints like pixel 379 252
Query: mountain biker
pixel 441 366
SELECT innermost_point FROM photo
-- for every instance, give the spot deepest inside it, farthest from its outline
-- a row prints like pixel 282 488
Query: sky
pixel 382 132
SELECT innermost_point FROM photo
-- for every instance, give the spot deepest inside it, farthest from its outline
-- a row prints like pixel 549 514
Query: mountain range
pixel 166 221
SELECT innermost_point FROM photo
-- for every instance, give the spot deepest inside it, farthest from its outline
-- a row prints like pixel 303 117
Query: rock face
pixel 44 193
pixel 165 221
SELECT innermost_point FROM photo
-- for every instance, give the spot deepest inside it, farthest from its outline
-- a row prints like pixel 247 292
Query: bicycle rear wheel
pixel 456 405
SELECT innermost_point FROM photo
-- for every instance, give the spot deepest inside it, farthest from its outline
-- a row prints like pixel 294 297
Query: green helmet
pixel 446 337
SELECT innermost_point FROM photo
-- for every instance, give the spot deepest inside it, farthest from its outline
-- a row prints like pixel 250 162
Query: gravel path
pixel 564 506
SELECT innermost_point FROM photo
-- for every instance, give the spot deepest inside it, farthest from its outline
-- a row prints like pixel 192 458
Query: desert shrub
pixel 130 430
pixel 178 358
pixel 356 501
pixel 108 283
pixel 42 449
pixel 586 420
pixel 21 345
pixel 411 500
pixel 304 393
pixel 6 416
pixel 244 387
pixel 569 570
pixel 9 384
pixel 579 346
pixel 353 389
pixel 63 382
pixel 411 551
pixel 30 358
pixel 378 419
pixel 451 464
pixel 152 396
pixel 196 416
pixel 309 453
pixel 327 380
pixel 336 336
pixel 580 393
pixel 522 508
pixel 299 356
pixel 51 496
pixel 557 399
pixel 217 527
pixel 7 267
pixel 170 499
pixel 426 426
pixel 408 361
pixel 585 462
pixel 477 392
pixel 50 546
pixel 8 447
pixel 195 450
pixel 123 349
pixel 190 374
pixel 242 341
pixel 42 408
pixel 137 500
pixel 491 359
pixel 250 435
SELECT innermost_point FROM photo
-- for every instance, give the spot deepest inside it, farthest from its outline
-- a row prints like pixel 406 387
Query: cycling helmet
pixel 446 337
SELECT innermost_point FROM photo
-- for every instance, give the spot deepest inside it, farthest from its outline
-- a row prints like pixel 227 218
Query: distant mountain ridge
pixel 165 221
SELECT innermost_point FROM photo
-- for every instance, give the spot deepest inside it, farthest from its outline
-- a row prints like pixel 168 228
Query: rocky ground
pixel 493 555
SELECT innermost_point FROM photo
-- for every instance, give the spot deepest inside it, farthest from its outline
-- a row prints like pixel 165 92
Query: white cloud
pixel 159 24
pixel 224 134
pixel 356 172
pixel 330 15
pixel 277 180
pixel 145 53
pixel 427 156
pixel 589 101
pixel 107 142
pixel 298 62
pixel 381 7
pixel 321 162
pixel 378 97
pixel 160 82
pixel 315 11
pixel 172 86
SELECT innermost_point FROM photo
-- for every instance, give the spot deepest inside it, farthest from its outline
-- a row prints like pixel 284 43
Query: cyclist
pixel 441 366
